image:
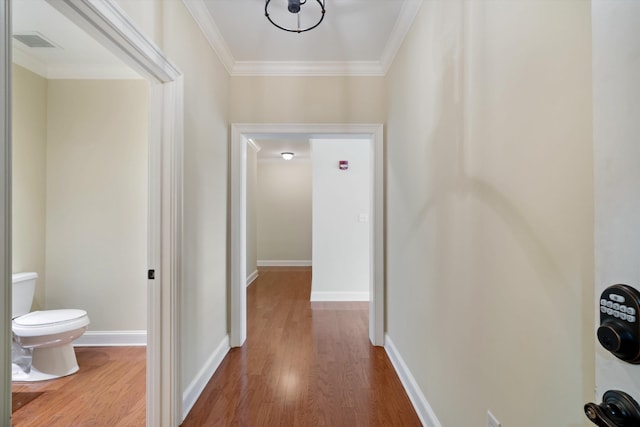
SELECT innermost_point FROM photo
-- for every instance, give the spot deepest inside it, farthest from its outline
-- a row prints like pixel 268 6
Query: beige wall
pixel 307 100
pixel 284 210
pixel 29 176
pixel 204 293
pixel 97 200
pixel 490 210
pixel 206 98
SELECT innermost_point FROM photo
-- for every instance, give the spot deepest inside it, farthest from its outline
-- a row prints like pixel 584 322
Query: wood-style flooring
pixel 108 390
pixel 303 364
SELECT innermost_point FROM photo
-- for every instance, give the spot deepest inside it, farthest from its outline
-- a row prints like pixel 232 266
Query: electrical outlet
pixel 492 421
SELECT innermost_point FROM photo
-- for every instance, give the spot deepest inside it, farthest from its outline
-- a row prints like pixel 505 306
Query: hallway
pixel 303 364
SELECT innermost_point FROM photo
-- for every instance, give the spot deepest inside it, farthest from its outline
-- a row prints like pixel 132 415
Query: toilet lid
pixel 49 317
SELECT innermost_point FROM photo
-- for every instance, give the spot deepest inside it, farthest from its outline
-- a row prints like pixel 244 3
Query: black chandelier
pixel 294 7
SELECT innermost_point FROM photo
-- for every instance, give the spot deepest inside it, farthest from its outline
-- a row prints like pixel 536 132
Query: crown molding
pixel 30 63
pixel 307 68
pixel 74 71
pixel 200 13
pixel 91 72
pixel 205 21
pixel 405 19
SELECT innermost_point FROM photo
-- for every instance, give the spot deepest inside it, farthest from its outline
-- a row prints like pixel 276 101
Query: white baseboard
pixel 284 263
pixel 111 339
pixel 195 388
pixel 253 276
pixel 420 404
pixel 339 296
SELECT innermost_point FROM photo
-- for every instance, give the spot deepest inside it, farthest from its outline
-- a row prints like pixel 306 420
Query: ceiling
pixel 271 149
pixel 74 55
pixel 357 37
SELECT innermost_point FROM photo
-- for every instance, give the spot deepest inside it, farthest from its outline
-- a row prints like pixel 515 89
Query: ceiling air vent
pixel 33 40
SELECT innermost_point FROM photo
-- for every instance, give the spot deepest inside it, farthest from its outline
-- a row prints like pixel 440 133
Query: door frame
pixel 106 22
pixel 240 134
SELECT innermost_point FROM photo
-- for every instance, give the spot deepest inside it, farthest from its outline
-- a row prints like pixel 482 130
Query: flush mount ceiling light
pixel 294 7
pixel 287 155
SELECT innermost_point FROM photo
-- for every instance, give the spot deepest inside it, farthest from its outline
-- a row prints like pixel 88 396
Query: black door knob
pixel 617 409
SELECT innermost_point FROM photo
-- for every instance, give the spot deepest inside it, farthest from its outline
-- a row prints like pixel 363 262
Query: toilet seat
pixel 49 322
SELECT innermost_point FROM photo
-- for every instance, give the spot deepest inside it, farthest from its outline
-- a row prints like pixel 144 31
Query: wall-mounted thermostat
pixel 343 165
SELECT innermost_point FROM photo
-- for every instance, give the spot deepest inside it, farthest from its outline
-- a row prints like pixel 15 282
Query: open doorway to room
pixel 279 204
pixel 80 218
pixel 158 191
pixel 308 203
pixel 373 215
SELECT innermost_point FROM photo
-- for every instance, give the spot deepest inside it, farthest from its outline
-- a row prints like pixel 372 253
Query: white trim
pixel 254 145
pixel 307 68
pixel 339 296
pixel 200 13
pixel 405 19
pixel 423 409
pixel 239 135
pixel 194 390
pixel 112 339
pixel 284 263
pixel 5 212
pixel 30 63
pixel 91 72
pixel 105 21
pixel 252 277
pixel 74 71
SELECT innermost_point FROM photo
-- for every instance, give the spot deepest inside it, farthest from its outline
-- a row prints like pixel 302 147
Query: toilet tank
pixel 24 286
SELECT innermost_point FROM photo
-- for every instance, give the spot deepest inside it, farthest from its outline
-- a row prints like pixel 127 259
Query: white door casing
pixel 240 133
pixel 616 90
pixel 5 212
pixel 107 23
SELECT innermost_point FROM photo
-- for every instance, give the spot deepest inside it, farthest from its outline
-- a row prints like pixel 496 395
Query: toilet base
pixel 48 363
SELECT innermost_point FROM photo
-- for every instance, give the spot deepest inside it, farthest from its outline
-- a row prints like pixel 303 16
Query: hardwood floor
pixel 108 390
pixel 303 364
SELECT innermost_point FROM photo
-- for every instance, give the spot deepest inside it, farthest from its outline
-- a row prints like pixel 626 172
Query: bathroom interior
pixel 79 189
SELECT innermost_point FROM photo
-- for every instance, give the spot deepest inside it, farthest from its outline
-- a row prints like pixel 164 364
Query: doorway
pixel 106 22
pixel 240 135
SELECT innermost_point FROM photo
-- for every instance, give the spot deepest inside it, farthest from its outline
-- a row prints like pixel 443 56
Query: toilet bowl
pixel 42 340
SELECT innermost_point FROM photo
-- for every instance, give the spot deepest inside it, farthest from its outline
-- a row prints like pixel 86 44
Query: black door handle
pixel 617 409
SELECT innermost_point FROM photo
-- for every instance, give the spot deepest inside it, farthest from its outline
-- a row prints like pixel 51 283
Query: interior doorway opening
pixel 109 25
pixel 241 134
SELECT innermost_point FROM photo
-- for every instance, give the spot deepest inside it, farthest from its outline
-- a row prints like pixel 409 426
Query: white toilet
pixel 42 347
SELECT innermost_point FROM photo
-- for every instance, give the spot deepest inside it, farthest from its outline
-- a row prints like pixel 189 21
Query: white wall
pixel 96 238
pixel 490 210
pixel 616 91
pixel 284 212
pixel 341 227
pixel 29 176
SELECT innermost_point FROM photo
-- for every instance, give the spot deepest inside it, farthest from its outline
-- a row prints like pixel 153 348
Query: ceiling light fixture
pixel 295 8
pixel 287 155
